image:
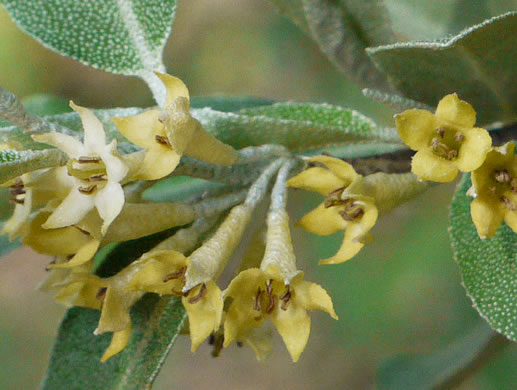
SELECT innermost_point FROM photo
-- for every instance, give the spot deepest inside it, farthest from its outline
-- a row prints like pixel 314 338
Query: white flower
pixel 97 172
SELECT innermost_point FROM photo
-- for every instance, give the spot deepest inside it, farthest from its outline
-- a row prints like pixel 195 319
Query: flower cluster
pixel 72 211
pixel 448 142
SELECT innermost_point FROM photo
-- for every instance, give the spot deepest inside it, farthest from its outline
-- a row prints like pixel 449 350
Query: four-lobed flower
pixel 494 187
pixel 446 141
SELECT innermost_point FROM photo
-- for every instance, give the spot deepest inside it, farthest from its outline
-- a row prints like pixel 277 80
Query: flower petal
pixel 428 166
pixel 510 217
pixel 158 162
pixel 294 325
pixel 452 109
pixel 487 215
pixel 21 213
pixel 323 221
pixel 314 297
pixel 71 210
pixel 316 179
pixel 347 250
pixel 205 315
pixel 68 144
pixel 115 168
pixel 109 202
pixel 115 311
pixel 416 127
pixel 83 255
pixel 175 87
pixel 338 167
pixel 94 136
pixel 474 149
pixel 140 129
pixel 118 342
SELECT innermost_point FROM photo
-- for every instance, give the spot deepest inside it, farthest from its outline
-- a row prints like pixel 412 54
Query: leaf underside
pixel 478 64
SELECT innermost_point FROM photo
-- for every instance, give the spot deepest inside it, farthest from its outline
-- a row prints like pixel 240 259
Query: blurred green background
pixel 401 294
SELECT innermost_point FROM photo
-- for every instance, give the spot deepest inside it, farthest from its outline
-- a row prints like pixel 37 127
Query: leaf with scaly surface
pixel 478 64
pixel 488 267
pixel 119 36
pixel 15 163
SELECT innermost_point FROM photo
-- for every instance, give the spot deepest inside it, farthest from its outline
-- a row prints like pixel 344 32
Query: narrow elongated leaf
pixel 344 29
pixel 45 105
pixel 478 64
pixel 297 126
pixel 488 267
pixel 292 9
pixel 15 163
pixel 119 36
pixel 439 368
pixel 75 362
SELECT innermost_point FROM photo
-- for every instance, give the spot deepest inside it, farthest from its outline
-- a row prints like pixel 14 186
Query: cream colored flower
pixel 96 169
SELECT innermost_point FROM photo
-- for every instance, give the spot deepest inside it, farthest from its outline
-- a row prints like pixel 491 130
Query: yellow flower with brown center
pixel 344 208
pixel 167 134
pixel 446 141
pixel 494 186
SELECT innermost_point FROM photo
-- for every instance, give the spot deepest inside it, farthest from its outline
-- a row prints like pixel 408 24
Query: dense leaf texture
pixel 488 267
pixel 438 369
pixel 478 64
pixel 75 361
pixel 120 36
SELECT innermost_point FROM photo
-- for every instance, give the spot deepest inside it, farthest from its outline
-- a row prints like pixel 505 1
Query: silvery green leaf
pixel 15 163
pixel 119 36
pixel 228 103
pixel 297 126
pixel 478 64
pixel 292 9
pixel 488 267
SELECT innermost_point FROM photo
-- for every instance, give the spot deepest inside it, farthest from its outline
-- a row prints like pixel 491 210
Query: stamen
pixel 459 137
pixel 175 275
pixel 285 298
pixel 101 294
pixel 257 305
pixel 18 183
pixel 272 304
pixel 88 159
pixel 87 190
pixel 508 203
pixel 441 131
pixel 17 190
pixel 199 296
pixel 162 140
pixel 269 287
pixel 47 268
pixel 100 177
pixel 313 164
pixel 18 201
pixel 492 190
pixel 513 185
pixel 452 154
pixel 502 176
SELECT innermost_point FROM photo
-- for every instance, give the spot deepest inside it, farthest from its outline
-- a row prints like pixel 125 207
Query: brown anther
pixel 508 203
pixel 18 183
pixel 459 137
pixel 240 344
pixel 502 176
pixel 17 190
pixel 314 164
pixel 88 160
pixel 345 215
pixel 87 190
pixel 162 140
pixel 285 298
pixel 175 275
pixel 101 177
pixel 257 305
pixel 199 296
pixel 337 192
pixel 101 294
pixel 18 201
pixel 441 131
pixel 47 268
pixel 452 154
pixel 435 144
pixel 331 202
pixel 272 304
pixel 492 190
pixel 513 185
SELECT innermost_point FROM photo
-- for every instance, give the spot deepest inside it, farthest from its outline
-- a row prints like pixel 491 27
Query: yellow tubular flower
pixel 494 186
pixel 345 207
pixel 275 290
pixel 446 141
pixel 169 133
pixel 97 172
